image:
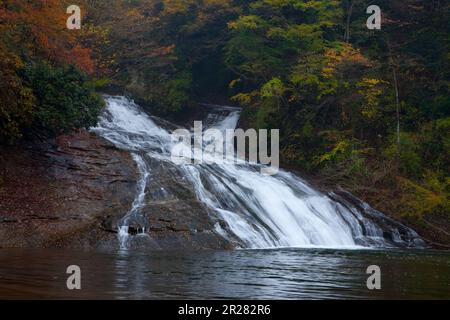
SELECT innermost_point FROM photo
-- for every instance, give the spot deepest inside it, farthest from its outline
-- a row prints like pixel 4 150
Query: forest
pixel 365 110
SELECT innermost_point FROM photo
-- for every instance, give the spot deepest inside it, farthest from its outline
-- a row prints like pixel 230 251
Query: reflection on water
pixel 262 274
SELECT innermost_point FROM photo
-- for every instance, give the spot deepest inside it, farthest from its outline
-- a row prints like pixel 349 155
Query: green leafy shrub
pixel 430 197
pixel 64 98
pixel 17 102
pixel 178 93
pixel 406 153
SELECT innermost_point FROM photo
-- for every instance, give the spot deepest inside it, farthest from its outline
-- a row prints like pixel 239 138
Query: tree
pixel 65 100
pixel 17 102
pixel 43 70
pixel 38 29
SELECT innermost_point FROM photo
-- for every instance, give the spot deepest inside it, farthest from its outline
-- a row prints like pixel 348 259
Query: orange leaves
pixel 82 58
pixel 163 51
pixel 41 26
pixel 342 57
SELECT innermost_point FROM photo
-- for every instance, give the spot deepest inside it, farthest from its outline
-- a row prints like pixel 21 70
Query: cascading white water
pixel 134 215
pixel 257 211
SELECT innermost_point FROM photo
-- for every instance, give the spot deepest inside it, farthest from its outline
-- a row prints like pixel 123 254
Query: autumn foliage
pixel 365 109
pixel 39 28
pixel 34 33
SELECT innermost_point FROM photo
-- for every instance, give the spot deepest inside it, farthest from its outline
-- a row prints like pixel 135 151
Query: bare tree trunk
pixel 397 94
pixel 397 102
pixel 349 19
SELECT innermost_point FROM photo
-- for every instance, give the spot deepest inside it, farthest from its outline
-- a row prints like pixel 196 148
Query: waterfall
pixel 253 210
pixel 134 222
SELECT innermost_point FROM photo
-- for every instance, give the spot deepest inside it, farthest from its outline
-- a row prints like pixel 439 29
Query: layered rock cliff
pixel 59 193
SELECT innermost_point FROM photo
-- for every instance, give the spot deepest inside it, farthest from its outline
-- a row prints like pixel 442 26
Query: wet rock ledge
pixel 72 191
pixel 58 193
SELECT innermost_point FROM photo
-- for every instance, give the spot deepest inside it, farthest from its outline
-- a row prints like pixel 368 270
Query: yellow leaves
pixel 371 90
pixel 273 88
pixel 328 71
pixel 216 3
pixel 422 199
pixel 234 83
pixel 277 3
pixel 176 6
pixel 344 54
pixel 371 86
pixel 245 99
pixel 182 6
pixel 371 82
pixel 275 33
pixel 245 22
pixel 134 14
pixel 242 98
pixel 341 147
pixel 333 59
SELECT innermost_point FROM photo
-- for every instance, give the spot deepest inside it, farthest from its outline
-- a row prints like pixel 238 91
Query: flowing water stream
pixel 251 209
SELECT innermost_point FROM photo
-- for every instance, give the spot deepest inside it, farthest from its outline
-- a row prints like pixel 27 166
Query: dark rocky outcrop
pixel 173 216
pixel 394 233
pixel 57 193
pixel 71 192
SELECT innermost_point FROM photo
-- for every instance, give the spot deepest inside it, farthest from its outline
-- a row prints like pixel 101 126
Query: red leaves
pixel 42 28
pixel 82 58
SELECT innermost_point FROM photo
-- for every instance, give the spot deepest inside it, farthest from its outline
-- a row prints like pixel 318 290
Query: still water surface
pixel 243 274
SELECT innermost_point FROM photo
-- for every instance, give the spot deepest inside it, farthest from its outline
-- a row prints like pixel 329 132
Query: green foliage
pixel 431 197
pixel 337 99
pixel 178 93
pixel 407 154
pixel 273 89
pixel 65 100
pixel 38 89
pixel 99 83
pixel 340 152
pixel 443 132
pixel 171 54
pixel 17 102
pixel 366 109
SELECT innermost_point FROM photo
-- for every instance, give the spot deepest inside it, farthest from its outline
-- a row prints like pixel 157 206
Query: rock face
pixel 58 193
pixel 173 216
pixel 71 193
pixel 393 231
